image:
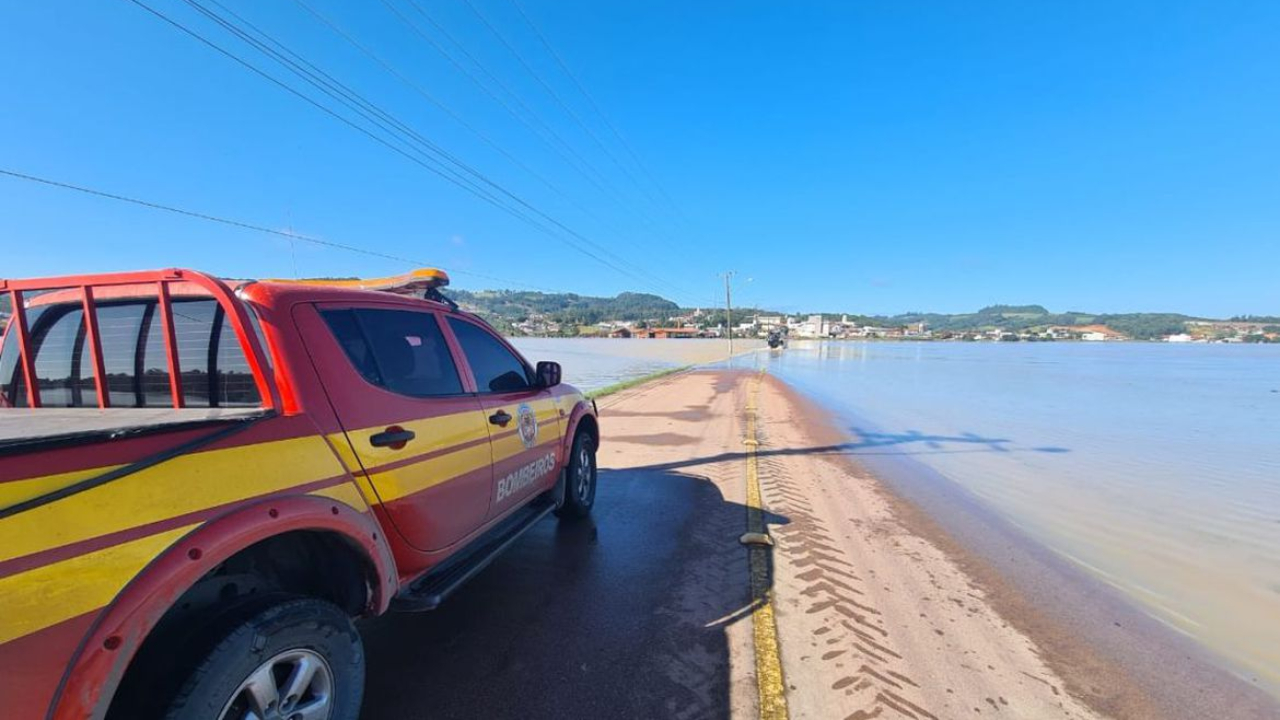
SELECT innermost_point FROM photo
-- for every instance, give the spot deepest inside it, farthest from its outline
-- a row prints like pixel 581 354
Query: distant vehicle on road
pixel 203 482
pixel 777 340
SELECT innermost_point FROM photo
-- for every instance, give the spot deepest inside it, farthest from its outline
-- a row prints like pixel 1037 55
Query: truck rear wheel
pixel 580 476
pixel 298 659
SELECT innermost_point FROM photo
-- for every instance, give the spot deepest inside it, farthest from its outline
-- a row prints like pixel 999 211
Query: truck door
pixel 524 420
pixel 420 437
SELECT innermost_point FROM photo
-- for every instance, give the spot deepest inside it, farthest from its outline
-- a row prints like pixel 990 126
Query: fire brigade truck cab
pixel 204 482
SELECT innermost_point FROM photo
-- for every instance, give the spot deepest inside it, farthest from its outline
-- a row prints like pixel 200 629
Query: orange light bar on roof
pixel 416 281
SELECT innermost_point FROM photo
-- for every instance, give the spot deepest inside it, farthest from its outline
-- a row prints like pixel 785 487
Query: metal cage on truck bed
pixel 89 291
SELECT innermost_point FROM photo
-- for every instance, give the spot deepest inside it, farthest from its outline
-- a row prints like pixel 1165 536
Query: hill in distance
pixel 504 308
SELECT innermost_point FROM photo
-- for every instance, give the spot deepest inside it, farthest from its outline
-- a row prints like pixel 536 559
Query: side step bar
pixel 430 590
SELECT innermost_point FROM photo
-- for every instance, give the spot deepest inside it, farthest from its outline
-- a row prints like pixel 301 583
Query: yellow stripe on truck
pixel 344 493
pixel 185 484
pixel 441 433
pixel 45 596
pixel 403 481
pixel 16 491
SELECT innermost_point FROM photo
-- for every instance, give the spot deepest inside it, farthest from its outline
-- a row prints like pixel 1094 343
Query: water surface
pixel 593 363
pixel 1155 467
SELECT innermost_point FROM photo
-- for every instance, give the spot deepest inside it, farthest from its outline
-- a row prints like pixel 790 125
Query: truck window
pixel 401 350
pixel 214 370
pixel 496 369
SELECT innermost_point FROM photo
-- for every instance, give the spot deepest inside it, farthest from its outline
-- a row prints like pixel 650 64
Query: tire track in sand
pixel 850 639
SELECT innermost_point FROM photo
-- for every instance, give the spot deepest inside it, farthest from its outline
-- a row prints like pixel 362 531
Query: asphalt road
pixel 618 616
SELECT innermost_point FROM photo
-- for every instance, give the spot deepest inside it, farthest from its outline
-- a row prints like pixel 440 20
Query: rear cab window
pixel 213 366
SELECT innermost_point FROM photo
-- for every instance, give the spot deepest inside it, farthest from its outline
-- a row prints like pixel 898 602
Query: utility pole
pixel 728 310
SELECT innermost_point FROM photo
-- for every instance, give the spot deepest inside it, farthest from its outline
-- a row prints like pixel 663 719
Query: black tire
pixel 294 632
pixel 580 489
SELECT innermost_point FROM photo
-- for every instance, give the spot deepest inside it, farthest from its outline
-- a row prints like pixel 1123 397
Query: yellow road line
pixel 773 698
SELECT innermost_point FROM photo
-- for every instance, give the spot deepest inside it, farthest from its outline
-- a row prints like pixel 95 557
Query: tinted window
pixel 214 370
pixel 495 367
pixel 400 350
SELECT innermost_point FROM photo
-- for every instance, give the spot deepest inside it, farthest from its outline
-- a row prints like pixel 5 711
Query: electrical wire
pixel 385 122
pixel 564 67
pixel 325 82
pixel 330 85
pixel 482 136
pixel 256 228
pixel 555 96
pixel 548 134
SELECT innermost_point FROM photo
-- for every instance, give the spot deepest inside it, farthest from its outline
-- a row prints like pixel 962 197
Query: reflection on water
pixel 1156 467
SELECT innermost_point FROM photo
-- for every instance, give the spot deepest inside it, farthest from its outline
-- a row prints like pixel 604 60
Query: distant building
pixel 667 333
pixel 620 332
pixel 1092 333
pixel 814 327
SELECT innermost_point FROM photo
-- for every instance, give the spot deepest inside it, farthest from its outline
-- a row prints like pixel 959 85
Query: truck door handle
pixel 500 418
pixel 394 437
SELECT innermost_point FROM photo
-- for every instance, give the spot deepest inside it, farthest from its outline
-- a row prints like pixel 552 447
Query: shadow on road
pixel 620 616
pixel 910 442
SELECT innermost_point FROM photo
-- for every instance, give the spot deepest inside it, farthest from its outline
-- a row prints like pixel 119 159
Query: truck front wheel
pixel 298 659
pixel 580 476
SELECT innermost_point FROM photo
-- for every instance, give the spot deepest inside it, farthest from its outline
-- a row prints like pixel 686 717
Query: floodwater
pixel 1154 467
pixel 593 363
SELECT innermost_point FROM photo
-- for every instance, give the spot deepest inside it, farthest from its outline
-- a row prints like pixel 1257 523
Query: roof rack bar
pixel 170 344
pixel 94 337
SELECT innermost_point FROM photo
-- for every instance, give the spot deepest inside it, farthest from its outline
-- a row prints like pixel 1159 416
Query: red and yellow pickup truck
pixel 203 482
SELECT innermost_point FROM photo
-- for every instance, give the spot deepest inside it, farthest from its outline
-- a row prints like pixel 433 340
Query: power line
pixel 251 226
pixel 329 85
pixel 548 134
pixel 595 106
pixel 482 136
pixel 555 96
pixel 375 115
pixel 263 74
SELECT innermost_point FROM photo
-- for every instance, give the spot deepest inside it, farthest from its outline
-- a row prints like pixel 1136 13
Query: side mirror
pixel 548 373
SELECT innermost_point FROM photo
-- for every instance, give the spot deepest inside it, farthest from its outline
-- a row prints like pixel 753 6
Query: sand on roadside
pixel 880 612
pixel 873 620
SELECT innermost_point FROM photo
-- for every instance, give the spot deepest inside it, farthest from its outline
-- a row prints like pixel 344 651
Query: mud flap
pixel 562 487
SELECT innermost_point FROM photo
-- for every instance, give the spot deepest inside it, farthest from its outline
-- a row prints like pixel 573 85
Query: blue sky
pixel 864 156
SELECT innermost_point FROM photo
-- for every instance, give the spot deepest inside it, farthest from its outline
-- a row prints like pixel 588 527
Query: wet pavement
pixel 619 616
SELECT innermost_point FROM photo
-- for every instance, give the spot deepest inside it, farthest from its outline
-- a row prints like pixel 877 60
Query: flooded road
pixel 593 363
pixel 648 609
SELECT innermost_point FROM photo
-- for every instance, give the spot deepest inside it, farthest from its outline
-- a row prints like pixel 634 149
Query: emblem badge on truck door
pixel 527 425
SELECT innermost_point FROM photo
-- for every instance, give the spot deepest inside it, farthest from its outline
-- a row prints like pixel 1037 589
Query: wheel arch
pixel 107 651
pixel 581 419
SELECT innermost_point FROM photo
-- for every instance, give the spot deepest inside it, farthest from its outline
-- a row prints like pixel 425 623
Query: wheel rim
pixel 585 470
pixel 292 685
